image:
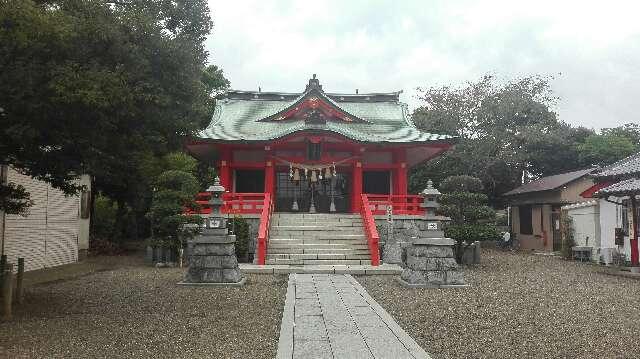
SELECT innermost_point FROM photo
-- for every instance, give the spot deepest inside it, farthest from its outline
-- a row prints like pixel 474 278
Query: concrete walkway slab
pixel 333 316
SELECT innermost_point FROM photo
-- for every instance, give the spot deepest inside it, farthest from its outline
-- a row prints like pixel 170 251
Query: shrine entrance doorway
pixel 376 182
pixel 298 196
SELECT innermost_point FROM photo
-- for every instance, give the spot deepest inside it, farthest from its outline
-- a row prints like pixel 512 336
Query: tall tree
pixel 96 86
pixel 606 148
pixel 507 132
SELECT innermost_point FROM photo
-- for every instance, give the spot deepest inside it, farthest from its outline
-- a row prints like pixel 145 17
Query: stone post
pixel 7 291
pixel 430 258
pixel 212 253
pixel 392 253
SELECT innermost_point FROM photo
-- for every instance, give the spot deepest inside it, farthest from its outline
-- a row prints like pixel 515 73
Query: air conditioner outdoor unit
pixel 606 255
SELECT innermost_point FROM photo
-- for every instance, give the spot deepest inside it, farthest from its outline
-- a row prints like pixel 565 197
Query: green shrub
pixel 471 218
pixel 240 227
pixel 472 232
pixel 175 190
pixel 104 217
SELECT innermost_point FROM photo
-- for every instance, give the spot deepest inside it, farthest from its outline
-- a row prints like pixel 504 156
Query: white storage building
pixel 56 229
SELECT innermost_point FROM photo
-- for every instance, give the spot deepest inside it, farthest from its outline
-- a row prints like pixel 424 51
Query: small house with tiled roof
pixel 615 196
pixel 535 208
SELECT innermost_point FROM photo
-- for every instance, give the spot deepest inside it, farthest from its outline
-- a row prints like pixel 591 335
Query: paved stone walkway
pixel 333 316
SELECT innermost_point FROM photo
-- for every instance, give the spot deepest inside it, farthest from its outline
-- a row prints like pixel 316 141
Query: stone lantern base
pixel 213 261
pixel 431 264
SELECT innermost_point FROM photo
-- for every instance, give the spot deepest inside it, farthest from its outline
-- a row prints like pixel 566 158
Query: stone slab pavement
pixel 333 316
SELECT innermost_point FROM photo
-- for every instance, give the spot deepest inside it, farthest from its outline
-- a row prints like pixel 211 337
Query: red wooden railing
pixel 369 224
pixel 243 203
pixel 406 204
pixel 234 203
pixel 263 229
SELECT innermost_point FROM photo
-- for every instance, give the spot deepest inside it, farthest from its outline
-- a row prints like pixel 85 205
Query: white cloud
pixel 392 45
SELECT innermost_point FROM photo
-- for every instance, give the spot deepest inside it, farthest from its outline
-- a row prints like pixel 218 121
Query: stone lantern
pixel 430 203
pixel 212 253
pixel 430 261
pixel 216 201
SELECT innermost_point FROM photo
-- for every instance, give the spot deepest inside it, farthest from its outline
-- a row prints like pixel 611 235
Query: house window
pixel 526 225
pixel 314 151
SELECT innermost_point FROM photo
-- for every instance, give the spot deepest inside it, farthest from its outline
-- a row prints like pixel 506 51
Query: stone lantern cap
pixel 216 187
pixel 430 191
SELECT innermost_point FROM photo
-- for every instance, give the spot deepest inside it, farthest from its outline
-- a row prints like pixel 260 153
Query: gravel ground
pixel 520 306
pixel 139 312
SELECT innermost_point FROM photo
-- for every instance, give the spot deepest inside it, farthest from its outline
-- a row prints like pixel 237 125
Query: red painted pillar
pixel 400 172
pixel 270 178
pixel 356 193
pixel 634 239
pixel 224 170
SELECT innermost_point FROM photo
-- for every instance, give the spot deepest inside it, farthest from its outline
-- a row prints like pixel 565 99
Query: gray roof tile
pixel 549 183
pixel 631 185
pixel 625 167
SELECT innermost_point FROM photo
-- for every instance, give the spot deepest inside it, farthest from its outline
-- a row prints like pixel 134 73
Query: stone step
pixel 276 240
pixel 316 235
pixel 315 227
pixel 338 251
pixel 318 247
pixel 276 233
pixel 288 222
pixel 316 251
pixel 318 261
pixel 319 256
pixel 316 216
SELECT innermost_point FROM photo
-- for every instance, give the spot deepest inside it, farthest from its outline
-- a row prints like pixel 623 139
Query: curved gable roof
pixel 250 116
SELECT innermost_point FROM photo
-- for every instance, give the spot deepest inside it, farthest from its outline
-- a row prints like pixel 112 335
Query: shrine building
pixel 344 157
pixel 315 151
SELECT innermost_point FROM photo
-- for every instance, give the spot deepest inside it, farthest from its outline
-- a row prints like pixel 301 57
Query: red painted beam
pixel 356 187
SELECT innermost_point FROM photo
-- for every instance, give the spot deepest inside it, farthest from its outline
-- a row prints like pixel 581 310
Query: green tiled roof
pixel 238 118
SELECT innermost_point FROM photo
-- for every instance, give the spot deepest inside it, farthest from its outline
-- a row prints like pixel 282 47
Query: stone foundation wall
pixel 213 260
pixel 404 228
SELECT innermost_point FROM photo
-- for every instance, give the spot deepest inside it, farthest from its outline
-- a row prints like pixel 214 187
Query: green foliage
pixel 606 148
pixel 629 130
pixel 241 230
pixel 461 184
pixel 507 132
pixel 179 161
pixel 175 191
pixel 99 87
pixel 14 199
pixel 568 236
pixel 463 201
pixel 104 217
pixel 470 233
pixel 471 219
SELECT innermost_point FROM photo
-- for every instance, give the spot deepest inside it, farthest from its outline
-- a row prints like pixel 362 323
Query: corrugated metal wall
pixel 48 236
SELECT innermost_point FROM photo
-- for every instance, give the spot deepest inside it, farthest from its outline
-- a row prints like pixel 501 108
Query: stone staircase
pixel 317 239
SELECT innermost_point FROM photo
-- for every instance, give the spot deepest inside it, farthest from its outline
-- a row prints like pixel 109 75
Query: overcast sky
pixel 591 47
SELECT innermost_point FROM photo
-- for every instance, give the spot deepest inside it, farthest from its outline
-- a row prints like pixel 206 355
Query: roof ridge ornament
pixel 314 84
